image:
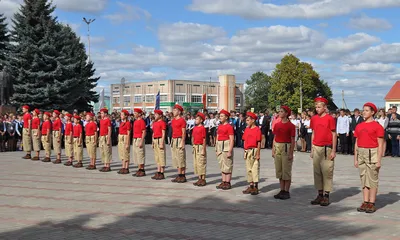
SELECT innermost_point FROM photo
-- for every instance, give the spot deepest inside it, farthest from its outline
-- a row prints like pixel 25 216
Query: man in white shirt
pixel 342 128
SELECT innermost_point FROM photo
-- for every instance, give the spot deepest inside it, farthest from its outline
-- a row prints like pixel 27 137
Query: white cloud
pixel 256 9
pixel 385 53
pixel 132 75
pixel 129 13
pixel 9 7
pixel 365 22
pixel 369 67
pixel 91 6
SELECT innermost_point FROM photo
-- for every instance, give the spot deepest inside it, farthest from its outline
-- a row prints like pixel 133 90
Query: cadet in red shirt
pixel 46 136
pixel 68 140
pixel 26 132
pixel 78 141
pixel 252 147
pixel 124 142
pixel 282 151
pixel 105 140
pixel 139 136
pixel 199 150
pixel 323 151
pixel 224 150
pixel 57 136
pixel 368 155
pixel 178 125
pixel 36 142
pixel 159 127
pixel 91 140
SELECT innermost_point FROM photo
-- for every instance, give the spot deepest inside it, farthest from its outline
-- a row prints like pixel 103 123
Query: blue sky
pixel 353 44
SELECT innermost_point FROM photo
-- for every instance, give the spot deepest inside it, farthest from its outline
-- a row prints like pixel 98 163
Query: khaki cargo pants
pixel 105 149
pixel 283 167
pixel 199 160
pixel 36 142
pixel 159 154
pixel 91 146
pixel 323 168
pixel 26 140
pixel 252 165
pixel 138 153
pixel 367 159
pixel 123 152
pixel 178 154
pixel 46 142
pixel 69 146
pixel 78 150
pixel 225 162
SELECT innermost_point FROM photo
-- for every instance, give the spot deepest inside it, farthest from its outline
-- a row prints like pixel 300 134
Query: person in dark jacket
pixel 355 120
pixel 394 134
pixel 240 127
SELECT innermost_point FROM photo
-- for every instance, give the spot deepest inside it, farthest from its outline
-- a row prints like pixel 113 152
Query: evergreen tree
pixel 4 41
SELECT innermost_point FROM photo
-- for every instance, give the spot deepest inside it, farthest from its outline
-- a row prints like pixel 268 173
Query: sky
pixel 352 44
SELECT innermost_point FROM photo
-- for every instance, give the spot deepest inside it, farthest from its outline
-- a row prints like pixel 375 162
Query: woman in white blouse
pixel 383 120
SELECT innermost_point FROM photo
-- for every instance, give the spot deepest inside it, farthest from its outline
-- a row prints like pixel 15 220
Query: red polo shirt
pixel 138 127
pixel 46 127
pixel 251 137
pixel 68 129
pixel 322 128
pixel 199 134
pixel 124 127
pixel 57 124
pixel 91 128
pixel 26 118
pixel 158 127
pixel 177 126
pixel 224 131
pixel 35 123
pixel 367 134
pixel 104 125
pixel 284 132
pixel 77 131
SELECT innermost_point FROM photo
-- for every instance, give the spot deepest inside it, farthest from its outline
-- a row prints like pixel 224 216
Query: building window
pixel 162 85
pixel 179 88
pixel 115 100
pixel 127 101
pixel 163 98
pixel 149 98
pixel 116 88
pixel 138 99
pixel 180 98
pixel 212 99
pixel 197 99
pixel 237 100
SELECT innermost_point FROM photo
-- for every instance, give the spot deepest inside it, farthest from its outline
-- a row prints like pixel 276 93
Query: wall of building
pixel 389 104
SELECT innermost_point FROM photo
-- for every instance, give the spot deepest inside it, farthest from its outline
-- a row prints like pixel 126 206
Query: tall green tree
pixel 4 41
pixel 256 93
pixel 286 79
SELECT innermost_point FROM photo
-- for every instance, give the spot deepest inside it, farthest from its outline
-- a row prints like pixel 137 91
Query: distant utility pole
pixel 88 22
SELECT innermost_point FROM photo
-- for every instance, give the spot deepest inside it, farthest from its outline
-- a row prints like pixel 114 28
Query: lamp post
pixel 88 22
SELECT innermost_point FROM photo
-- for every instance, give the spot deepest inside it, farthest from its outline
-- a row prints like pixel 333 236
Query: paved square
pixel 46 201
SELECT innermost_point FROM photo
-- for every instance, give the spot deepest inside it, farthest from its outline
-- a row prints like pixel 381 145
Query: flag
pixel 101 102
pixel 204 101
pixel 157 106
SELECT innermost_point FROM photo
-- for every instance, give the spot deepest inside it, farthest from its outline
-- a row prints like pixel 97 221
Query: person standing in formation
pixel 78 141
pixel 68 140
pixel 26 132
pixel 46 136
pixel 282 151
pixel 368 155
pixel 91 140
pixel 199 141
pixel 124 142
pixel 224 150
pixel 159 132
pixel 178 125
pixel 105 140
pixel 252 138
pixel 139 137
pixel 57 136
pixel 323 152
pixel 36 134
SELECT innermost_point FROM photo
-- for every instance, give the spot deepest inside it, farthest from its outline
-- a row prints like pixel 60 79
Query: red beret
pixel 47 113
pixel 179 107
pixel 321 99
pixel 226 113
pixel 77 117
pixel 373 106
pixel 68 115
pixel 125 112
pixel 37 111
pixel 287 109
pixel 159 112
pixel 138 110
pixel 26 107
pixel 90 114
pixel 252 115
pixel 104 110
pixel 56 112
pixel 201 115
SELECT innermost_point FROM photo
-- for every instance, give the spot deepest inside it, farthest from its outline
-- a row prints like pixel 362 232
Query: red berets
pixel 26 107
pixel 68 115
pixel 373 106
pixel 47 114
pixel 226 113
pixel 159 112
pixel 37 111
pixel 179 107
pixel 125 112
pixel 56 112
pixel 77 117
pixel 138 110
pixel 287 109
pixel 104 110
pixel 90 114
pixel 201 115
pixel 321 99
pixel 252 115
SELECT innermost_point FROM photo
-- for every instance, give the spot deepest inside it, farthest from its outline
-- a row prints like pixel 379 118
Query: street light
pixel 88 22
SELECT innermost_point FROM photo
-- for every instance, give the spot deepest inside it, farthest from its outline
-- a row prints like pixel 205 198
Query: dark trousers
pixel 3 140
pixel 395 145
pixel 239 141
pixel 308 141
pixel 343 143
pixel 270 139
pixel 12 143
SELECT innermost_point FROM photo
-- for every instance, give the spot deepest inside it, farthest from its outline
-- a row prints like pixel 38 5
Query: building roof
pixel 394 93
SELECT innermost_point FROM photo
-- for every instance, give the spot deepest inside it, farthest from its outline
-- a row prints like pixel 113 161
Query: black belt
pixel 326 147
pixel 76 137
pixel 369 156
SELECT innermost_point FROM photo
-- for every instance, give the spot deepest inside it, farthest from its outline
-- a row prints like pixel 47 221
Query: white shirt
pixel 213 123
pixel 207 123
pixel 343 125
pixel 307 123
pixel 260 120
pixel 295 122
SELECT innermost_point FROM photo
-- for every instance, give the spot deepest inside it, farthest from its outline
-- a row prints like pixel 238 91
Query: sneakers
pixel 249 190
pixel 255 191
pixel 35 159
pixel 202 183
pixel 220 185
pixel 155 176
pixel 278 196
pixel 69 163
pixel 78 165
pixel 325 201
pixel 91 167
pixel 285 195
pixel 370 208
pixel 58 161
pixel 363 207
pixel 317 200
pixel 27 156
pixel 46 159
pixel 123 171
